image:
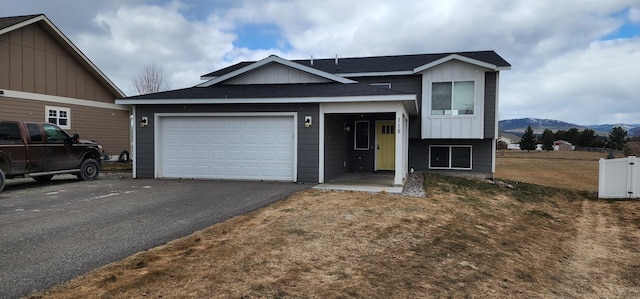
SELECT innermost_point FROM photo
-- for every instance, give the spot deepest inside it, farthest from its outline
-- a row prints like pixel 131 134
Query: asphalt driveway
pixel 50 233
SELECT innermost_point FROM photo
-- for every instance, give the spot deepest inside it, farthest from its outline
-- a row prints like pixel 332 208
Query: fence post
pixel 633 166
pixel 601 177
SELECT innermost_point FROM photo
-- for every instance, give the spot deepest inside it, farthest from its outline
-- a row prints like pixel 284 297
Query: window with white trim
pixel 361 136
pixel 452 98
pixel 58 115
pixel 450 156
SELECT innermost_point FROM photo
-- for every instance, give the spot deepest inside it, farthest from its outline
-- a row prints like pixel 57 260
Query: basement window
pixel 450 157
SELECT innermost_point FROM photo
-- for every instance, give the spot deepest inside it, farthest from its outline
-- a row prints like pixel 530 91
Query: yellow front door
pixel 386 145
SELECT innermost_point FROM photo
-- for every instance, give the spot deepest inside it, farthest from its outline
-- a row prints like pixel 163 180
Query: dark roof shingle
pixel 377 64
pixel 10 21
pixel 272 91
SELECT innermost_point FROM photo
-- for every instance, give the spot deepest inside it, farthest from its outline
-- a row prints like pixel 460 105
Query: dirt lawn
pixel 467 238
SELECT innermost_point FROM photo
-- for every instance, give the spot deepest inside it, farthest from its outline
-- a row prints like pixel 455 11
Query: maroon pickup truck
pixel 42 150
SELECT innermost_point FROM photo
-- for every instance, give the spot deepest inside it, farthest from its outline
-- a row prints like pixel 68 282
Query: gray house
pixel 314 120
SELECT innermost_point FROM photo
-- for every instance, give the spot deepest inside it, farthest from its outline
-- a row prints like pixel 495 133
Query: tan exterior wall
pixel 110 127
pixel 31 60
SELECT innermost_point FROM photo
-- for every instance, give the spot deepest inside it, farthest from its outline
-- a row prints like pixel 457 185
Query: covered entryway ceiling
pixel 246 147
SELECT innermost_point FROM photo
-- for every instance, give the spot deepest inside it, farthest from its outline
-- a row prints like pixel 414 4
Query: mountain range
pixel 517 126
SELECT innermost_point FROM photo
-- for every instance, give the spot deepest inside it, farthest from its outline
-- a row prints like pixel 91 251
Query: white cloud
pixel 584 86
pixel 561 66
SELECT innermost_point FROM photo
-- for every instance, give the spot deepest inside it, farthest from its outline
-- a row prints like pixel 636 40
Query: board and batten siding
pixel 453 126
pixel 308 140
pixel 336 146
pixel 490 104
pixel 275 73
pixel 31 60
pixel 481 155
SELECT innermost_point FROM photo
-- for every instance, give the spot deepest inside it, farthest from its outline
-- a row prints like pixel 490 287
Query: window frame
pixel 67 111
pixel 356 132
pixel 450 156
pixel 451 111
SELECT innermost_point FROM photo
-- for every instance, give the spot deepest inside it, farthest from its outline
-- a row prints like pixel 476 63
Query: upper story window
pixel 58 115
pixel 452 98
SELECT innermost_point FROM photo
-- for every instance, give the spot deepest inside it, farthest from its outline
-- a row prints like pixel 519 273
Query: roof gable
pixel 8 24
pixel 389 65
pixel 273 59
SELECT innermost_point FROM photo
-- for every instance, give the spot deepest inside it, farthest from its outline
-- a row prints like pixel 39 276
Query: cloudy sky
pixel 573 60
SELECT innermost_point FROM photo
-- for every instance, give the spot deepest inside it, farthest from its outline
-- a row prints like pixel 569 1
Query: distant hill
pixel 517 126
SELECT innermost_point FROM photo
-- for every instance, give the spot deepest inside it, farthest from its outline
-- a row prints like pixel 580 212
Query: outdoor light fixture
pixel 307 121
pixel 347 128
pixel 144 122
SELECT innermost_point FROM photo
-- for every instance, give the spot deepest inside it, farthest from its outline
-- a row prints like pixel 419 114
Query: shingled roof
pixel 316 90
pixel 378 64
pixel 10 21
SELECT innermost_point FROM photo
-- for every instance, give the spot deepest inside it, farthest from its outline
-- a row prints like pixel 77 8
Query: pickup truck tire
pixel 2 179
pixel 89 170
pixel 43 178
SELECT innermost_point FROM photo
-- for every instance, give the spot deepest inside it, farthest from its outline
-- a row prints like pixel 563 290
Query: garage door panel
pixel 236 147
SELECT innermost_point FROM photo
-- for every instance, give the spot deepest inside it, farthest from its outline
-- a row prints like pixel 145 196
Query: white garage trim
pixel 158 118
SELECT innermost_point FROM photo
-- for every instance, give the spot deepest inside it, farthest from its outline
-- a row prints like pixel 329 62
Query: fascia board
pixel 385 98
pixel 455 57
pixel 276 59
pixel 374 74
pixel 69 43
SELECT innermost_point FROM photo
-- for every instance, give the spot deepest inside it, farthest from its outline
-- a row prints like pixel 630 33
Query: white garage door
pixel 227 147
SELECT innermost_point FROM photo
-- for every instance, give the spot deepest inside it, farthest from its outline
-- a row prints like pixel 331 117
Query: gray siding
pixel 482 154
pixel 308 138
pixel 490 94
pixel 336 146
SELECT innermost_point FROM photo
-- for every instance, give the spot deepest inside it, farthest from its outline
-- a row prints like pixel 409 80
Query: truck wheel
pixel 2 179
pixel 89 170
pixel 43 179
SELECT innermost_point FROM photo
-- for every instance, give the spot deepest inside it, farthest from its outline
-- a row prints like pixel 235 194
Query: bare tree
pixel 149 80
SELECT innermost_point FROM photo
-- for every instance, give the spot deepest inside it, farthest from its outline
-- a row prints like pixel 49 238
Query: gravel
pixel 414 186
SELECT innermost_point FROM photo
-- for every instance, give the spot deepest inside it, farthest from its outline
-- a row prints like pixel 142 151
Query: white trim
pixel 134 143
pixel 275 59
pixel 455 57
pixel 321 144
pixel 371 98
pixel 68 42
pixel 450 147
pixel 355 136
pixel 57 109
pixel 375 74
pixel 20 95
pixel 157 133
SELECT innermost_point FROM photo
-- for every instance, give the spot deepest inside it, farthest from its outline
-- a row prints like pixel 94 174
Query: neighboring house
pixel 45 77
pixel 561 145
pixel 313 120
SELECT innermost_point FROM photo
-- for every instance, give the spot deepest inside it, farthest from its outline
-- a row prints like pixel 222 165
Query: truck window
pixel 34 133
pixel 9 132
pixel 54 134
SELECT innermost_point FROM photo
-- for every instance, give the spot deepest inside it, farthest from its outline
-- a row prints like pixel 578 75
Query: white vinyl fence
pixel 619 178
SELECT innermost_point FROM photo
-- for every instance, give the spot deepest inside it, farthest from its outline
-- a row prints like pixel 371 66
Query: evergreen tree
pixel 528 140
pixel 618 138
pixel 547 140
pixel 587 138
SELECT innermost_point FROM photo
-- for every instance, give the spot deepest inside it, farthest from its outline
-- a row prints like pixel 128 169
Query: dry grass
pixel 468 238
pixel 563 169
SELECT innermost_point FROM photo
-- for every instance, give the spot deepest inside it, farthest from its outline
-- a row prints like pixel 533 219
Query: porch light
pixel 347 128
pixel 307 121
